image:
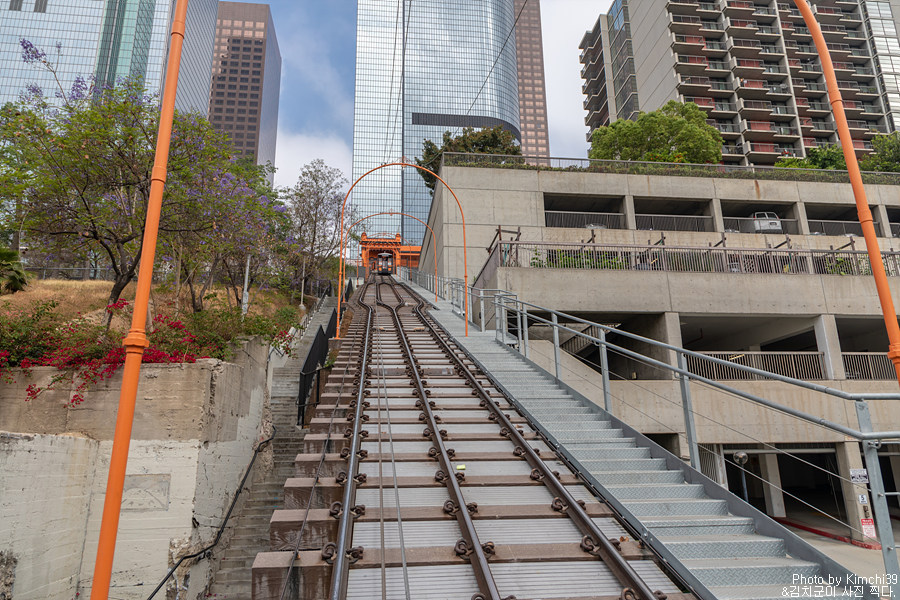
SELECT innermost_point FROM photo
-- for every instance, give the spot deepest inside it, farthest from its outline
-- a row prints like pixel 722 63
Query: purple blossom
pixel 31 53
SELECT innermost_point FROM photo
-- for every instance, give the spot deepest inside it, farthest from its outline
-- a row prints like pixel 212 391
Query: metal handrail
pixel 526 312
pixel 234 500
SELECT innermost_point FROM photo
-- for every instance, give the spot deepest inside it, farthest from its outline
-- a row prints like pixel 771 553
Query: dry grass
pixel 89 298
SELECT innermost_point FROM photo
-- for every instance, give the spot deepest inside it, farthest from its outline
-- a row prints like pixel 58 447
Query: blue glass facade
pixel 458 69
pixel 109 39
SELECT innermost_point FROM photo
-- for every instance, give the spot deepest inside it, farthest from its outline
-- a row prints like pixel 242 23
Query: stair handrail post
pixel 481 308
pixel 687 405
pixel 879 499
pixel 604 371
pixel 525 330
pixel 555 320
pixel 519 345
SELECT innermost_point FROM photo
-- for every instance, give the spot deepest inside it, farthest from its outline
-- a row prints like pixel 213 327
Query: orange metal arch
pixel 341 248
pixel 856 182
pixel 411 217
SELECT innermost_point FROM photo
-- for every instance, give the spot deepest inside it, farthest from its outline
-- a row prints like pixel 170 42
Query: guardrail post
pixel 604 369
pixel 496 317
pixel 555 320
pixel 879 499
pixel 519 345
pixel 481 308
pixel 525 329
pixel 688 407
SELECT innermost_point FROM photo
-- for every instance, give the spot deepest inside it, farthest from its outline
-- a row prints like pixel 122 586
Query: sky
pixel 317 42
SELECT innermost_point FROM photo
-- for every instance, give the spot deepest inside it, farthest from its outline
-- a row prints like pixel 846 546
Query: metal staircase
pixel 721 546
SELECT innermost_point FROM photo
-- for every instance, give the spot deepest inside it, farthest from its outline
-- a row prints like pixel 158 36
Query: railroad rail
pixel 423 481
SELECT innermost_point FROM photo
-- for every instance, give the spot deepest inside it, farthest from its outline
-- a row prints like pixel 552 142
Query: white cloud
pixel 295 149
pixel 564 23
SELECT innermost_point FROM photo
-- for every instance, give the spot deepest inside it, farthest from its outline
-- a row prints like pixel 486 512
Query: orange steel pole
pixel 856 182
pixel 136 340
pixel 411 217
pixel 465 252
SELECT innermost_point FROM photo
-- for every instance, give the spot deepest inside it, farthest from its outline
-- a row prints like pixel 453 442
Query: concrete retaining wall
pixel 194 431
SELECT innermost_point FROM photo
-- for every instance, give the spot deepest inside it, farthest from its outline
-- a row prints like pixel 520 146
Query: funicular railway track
pixel 441 489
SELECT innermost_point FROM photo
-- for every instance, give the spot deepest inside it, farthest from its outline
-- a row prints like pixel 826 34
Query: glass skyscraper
pixel 455 62
pixel 108 39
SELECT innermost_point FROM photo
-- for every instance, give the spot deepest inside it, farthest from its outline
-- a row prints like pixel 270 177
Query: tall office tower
pixel 752 66
pixel 532 92
pixel 107 39
pixel 246 79
pixel 423 68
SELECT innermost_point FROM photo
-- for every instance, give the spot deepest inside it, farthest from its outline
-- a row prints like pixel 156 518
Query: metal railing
pixel 683 259
pixel 751 225
pixel 450 159
pixel 809 366
pixel 312 365
pixel 868 365
pixel 515 316
pixel 674 222
pixel 825 227
pixel 206 552
pixel 584 220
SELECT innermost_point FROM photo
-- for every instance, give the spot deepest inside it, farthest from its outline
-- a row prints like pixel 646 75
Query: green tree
pixel 825 157
pixel 886 154
pixel 675 133
pixel 12 275
pixel 79 167
pixel 490 140
pixel 314 206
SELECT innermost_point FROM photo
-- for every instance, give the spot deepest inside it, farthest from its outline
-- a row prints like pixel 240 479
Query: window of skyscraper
pixel 40 6
pixel 15 4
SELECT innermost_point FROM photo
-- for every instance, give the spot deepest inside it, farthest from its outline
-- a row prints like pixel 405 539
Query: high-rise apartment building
pixel 532 91
pixel 246 79
pixel 106 39
pixel 423 68
pixel 751 65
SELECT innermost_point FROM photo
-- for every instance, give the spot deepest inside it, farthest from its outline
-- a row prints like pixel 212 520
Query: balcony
pixel 827 14
pixel 862 146
pixel 834 33
pixel 872 366
pixel 801 32
pixel 711 27
pixel 747 67
pixel 809 88
pixel 681 7
pixel 782 112
pixel 854 38
pixel 751 88
pixel 809 68
pixel 745 48
pixel 842 228
pixel 771 49
pixel 714 48
pixel 817 108
pixel 839 51
pixel 818 127
pixel 688 43
pixel 718 65
pixel 720 88
pixel 740 8
pixel 803 49
pixel 693 64
pixel 732 151
pixel 701 101
pixel 860 54
pixel 685 24
pixel 741 28
pixel 584 220
pixel 842 69
pixel 768 32
pixel 778 90
pixel 723 109
pixel 755 109
pixel 863 73
pixel 674 223
pixel 768 152
pixel 808 366
pixel 726 128
pixel 693 85
pixel 809 142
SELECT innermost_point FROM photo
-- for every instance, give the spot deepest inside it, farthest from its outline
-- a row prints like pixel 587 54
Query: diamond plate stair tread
pixel 749 570
pixel 713 546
